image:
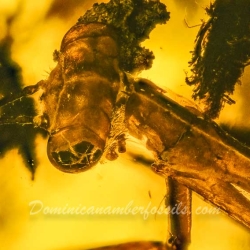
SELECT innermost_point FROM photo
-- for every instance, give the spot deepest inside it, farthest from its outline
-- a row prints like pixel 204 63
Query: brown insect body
pixel 80 95
pixel 215 166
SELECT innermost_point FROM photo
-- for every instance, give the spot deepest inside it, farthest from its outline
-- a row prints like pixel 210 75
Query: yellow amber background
pixel 114 184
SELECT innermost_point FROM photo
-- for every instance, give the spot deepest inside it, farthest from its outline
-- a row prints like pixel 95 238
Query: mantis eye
pixel 73 157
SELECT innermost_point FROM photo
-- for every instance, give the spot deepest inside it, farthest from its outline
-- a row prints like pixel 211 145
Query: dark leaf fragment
pixel 15 135
pixel 221 53
pixel 133 21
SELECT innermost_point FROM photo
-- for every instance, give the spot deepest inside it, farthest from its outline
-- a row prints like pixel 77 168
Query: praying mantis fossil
pixel 190 150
